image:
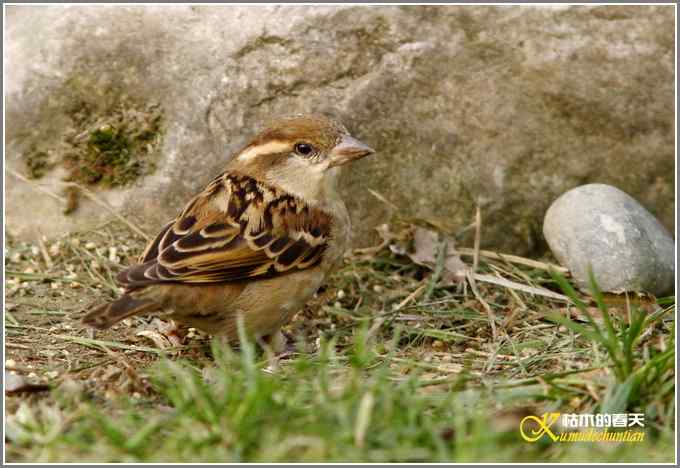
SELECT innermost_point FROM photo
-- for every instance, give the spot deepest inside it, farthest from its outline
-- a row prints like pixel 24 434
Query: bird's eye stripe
pixel 271 147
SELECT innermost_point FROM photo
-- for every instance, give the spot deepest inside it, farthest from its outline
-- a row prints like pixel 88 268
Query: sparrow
pixel 257 242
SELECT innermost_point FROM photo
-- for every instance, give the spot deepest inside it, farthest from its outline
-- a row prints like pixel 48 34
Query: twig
pixel 478 238
pixel 381 319
pixel 100 344
pixel 489 312
pixel 17 345
pixel 35 186
pixel 410 297
pixel 513 259
pixel 380 197
pixel 520 287
pixel 45 253
pixel 107 207
pixel 371 250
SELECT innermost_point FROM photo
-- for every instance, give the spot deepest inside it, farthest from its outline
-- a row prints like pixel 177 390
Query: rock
pixel 15 384
pixel 505 107
pixel 601 226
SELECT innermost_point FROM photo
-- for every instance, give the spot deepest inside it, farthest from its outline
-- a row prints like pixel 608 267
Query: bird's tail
pixel 109 314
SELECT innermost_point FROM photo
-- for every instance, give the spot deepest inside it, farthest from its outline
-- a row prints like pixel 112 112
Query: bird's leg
pixel 278 343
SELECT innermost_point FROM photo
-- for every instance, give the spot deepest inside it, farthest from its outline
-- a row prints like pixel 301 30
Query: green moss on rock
pixel 110 140
pixel 113 147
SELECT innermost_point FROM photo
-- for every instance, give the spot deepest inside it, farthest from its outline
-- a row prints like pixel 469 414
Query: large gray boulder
pixel 506 107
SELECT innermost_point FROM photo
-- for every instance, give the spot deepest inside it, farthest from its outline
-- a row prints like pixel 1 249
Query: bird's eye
pixel 304 149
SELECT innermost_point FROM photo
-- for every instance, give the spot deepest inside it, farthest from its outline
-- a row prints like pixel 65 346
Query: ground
pixel 393 361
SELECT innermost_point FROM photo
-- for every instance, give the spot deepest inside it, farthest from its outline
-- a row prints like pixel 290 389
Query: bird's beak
pixel 349 149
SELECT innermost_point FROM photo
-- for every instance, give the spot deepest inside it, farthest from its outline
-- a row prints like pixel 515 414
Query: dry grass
pixel 384 331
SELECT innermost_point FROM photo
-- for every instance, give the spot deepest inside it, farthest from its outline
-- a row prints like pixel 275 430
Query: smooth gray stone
pixel 602 226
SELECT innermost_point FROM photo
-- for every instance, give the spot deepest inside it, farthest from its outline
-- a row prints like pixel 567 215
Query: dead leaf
pixel 426 244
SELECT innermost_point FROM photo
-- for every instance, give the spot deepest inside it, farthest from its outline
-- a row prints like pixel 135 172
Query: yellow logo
pixel 543 427
pixel 590 427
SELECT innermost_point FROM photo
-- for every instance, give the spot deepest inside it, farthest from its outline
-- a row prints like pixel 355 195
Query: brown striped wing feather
pixel 237 228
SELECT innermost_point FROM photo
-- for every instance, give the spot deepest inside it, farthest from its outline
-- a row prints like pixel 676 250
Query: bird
pixel 255 244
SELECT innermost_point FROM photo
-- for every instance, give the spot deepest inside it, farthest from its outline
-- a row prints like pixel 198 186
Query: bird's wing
pixel 236 228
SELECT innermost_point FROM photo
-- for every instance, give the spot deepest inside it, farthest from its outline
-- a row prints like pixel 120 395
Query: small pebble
pixel 341 294
pixel 10 363
pixel 13 382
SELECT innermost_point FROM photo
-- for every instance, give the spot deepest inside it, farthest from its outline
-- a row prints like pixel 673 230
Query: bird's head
pixel 300 154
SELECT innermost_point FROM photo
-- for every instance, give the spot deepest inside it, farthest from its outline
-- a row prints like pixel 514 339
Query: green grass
pixel 321 407
pixel 642 379
pixel 369 382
